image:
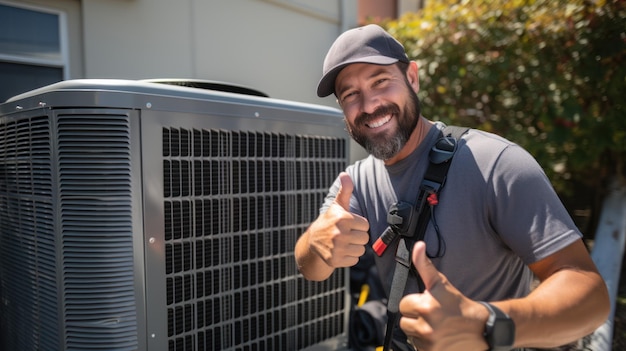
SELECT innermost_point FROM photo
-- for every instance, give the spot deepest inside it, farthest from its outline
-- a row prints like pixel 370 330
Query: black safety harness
pixel 408 222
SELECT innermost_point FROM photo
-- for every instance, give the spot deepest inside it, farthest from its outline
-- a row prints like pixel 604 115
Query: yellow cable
pixel 365 290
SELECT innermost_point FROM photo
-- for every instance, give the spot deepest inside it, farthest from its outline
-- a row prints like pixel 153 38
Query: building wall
pixel 273 46
pixel 276 46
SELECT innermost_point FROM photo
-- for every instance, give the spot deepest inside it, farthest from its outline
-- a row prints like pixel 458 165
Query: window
pixel 33 49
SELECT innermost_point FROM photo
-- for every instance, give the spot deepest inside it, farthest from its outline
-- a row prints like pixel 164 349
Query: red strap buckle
pixel 432 199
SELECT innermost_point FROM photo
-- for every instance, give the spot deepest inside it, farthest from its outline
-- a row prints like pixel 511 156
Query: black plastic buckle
pixel 399 217
pixel 443 150
pixel 401 223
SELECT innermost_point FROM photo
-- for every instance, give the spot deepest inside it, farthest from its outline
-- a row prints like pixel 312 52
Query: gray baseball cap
pixel 367 44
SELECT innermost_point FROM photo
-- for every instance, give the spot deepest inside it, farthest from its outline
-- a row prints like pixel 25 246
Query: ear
pixel 412 75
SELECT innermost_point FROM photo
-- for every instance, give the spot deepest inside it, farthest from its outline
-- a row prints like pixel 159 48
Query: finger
pixel 410 306
pixel 427 271
pixel 360 237
pixel 345 191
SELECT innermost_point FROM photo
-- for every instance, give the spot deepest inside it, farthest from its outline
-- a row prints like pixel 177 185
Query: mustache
pixel 365 117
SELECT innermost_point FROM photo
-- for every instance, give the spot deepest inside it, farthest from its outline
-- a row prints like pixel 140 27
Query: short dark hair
pixel 403 66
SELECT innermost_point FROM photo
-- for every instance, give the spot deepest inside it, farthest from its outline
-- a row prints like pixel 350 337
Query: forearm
pixel 566 306
pixel 310 264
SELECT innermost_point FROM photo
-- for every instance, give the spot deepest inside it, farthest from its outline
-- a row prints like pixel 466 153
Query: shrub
pixel 549 75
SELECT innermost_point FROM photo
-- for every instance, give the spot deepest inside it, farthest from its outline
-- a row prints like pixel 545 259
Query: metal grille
pixel 28 312
pixel 95 207
pixel 235 203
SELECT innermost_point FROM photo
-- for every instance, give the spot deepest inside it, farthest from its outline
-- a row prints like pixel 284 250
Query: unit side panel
pixel 69 223
pixel 29 291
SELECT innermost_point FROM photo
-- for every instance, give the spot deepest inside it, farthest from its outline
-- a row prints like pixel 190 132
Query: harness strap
pixel 400 276
pixel 440 159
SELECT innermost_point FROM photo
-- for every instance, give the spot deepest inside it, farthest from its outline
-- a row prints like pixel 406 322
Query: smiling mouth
pixel 378 122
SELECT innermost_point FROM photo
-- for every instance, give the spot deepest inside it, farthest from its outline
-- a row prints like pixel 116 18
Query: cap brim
pixel 326 86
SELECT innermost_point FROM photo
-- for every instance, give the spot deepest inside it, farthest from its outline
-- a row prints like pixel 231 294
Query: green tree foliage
pixel 549 75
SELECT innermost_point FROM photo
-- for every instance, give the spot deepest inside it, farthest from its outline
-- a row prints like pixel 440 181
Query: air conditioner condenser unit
pixel 142 216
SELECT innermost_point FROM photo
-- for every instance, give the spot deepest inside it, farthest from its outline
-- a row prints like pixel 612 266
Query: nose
pixel 369 102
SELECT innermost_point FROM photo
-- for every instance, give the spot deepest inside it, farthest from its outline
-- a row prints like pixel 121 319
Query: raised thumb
pixel 427 271
pixel 345 191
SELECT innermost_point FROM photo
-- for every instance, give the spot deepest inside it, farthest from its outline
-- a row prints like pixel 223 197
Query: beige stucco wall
pixel 274 46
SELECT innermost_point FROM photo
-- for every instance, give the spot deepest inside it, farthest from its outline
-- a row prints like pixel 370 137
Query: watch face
pixel 499 329
pixel 503 333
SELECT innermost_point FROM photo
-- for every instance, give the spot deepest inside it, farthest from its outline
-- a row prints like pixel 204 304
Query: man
pixel 498 223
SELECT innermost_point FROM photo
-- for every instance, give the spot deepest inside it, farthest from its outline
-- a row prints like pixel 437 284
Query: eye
pixel 348 96
pixel 380 81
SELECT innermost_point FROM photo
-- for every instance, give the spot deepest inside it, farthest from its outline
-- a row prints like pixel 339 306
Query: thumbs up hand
pixel 338 236
pixel 441 318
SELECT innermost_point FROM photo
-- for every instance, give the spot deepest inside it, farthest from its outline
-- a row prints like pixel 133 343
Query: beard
pixel 386 145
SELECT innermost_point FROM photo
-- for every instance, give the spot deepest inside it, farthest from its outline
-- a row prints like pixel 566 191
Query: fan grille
pixel 235 203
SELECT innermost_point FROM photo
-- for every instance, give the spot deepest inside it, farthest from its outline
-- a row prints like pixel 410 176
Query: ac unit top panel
pixel 132 94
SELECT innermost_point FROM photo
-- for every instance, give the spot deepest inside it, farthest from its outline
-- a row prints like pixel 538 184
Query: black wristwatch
pixel 499 329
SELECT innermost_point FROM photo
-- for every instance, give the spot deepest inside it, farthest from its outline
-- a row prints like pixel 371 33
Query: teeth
pixel 380 122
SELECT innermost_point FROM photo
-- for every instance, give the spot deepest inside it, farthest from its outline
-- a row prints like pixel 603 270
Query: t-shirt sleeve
pixel 526 211
pixel 330 196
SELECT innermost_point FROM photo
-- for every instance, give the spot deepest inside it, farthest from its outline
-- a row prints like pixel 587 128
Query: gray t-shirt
pixel 497 213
